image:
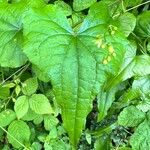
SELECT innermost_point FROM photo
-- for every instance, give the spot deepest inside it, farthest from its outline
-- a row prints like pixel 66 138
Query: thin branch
pixel 14 138
pixel 19 70
pixel 137 6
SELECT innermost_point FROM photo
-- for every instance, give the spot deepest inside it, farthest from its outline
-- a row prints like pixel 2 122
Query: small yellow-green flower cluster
pixel 111 53
pixel 112 29
pixel 104 45
pixel 98 41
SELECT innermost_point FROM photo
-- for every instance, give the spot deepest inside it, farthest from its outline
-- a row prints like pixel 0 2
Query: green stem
pixel 14 138
pixel 137 6
pixel 22 69
pixel 103 130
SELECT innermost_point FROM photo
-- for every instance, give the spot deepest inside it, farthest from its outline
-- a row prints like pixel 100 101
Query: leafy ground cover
pixel 74 75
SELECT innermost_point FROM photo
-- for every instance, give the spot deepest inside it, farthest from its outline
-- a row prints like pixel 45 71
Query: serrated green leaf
pixel 53 133
pixel 21 106
pixel 59 145
pixel 11 40
pixel 29 116
pixel 50 121
pixel 40 104
pixel 144 106
pixel 70 56
pixel 30 86
pixel 38 119
pixel 140 139
pixel 131 117
pixel 143 24
pixel 4 92
pixel 47 146
pixel 6 117
pixel 20 131
pixel 60 130
pixel 36 146
pixel 64 7
pixel 79 5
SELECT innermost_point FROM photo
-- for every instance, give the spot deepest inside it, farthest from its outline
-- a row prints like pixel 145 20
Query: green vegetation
pixel 74 75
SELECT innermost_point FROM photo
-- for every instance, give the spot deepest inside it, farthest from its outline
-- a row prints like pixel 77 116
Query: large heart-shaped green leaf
pixel 11 40
pixel 77 61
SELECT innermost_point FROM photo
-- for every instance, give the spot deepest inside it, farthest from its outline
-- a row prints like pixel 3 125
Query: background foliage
pixel 74 74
